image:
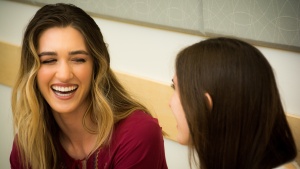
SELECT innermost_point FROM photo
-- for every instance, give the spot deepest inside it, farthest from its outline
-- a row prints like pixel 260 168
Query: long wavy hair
pixel 36 131
pixel 246 126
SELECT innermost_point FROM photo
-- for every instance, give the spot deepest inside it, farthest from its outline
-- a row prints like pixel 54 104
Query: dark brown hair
pixel 246 127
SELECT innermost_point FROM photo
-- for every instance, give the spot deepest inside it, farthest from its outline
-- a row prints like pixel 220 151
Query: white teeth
pixel 63 95
pixel 64 89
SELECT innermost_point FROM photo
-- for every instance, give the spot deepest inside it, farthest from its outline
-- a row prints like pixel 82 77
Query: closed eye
pixel 173 86
pixel 48 61
pixel 48 57
pixel 79 60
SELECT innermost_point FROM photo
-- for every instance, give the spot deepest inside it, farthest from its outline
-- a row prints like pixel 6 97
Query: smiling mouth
pixel 64 91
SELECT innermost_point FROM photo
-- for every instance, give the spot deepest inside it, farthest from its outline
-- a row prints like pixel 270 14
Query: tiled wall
pixel 273 23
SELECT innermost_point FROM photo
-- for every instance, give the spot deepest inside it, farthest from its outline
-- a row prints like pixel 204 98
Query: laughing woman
pixel 69 109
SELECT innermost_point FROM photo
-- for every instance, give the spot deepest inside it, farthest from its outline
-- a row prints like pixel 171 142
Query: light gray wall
pixel 271 22
pixel 6 128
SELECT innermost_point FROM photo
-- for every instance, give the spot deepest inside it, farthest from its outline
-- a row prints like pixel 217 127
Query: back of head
pixel 246 127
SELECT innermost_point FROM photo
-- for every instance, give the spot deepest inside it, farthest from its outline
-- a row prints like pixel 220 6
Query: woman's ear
pixel 209 101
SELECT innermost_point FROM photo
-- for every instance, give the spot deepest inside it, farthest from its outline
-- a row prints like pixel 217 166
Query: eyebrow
pixel 77 52
pixel 47 53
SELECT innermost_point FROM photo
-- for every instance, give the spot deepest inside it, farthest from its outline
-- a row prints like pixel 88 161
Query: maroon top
pixel 136 143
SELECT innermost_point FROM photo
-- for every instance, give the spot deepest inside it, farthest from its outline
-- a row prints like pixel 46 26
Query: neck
pixel 78 146
pixel 75 139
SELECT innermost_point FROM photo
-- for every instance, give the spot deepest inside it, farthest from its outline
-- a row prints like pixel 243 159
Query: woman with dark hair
pixel 228 107
pixel 69 109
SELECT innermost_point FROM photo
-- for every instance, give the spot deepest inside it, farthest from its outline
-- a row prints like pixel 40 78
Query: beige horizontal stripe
pixel 154 95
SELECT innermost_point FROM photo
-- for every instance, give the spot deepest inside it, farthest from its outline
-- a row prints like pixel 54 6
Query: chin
pixel 182 141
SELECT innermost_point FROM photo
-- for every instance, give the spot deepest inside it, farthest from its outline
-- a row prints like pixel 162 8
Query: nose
pixel 64 72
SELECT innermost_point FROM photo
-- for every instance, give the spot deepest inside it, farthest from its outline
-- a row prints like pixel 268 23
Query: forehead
pixel 61 39
pixel 61 33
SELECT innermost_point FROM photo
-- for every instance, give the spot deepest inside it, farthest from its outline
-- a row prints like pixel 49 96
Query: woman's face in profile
pixel 176 107
pixel 65 73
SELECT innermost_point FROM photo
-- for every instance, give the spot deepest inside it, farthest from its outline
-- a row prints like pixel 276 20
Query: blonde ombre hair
pixel 37 133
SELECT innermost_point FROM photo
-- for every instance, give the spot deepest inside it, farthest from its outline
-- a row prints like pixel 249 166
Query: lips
pixel 64 91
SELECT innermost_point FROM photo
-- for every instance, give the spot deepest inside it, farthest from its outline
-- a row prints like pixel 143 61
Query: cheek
pixel 182 126
pixel 173 105
pixel 183 129
pixel 84 77
pixel 43 77
pixel 176 106
pixel 84 74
